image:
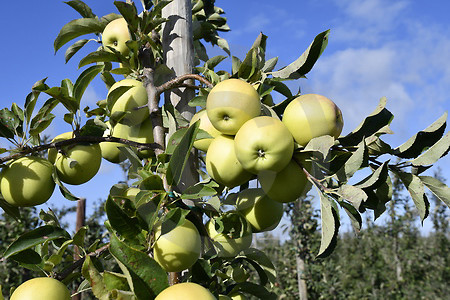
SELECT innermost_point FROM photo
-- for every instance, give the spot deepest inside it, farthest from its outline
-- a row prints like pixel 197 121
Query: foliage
pixel 116 260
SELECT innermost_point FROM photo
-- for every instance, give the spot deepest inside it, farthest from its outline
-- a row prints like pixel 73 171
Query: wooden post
pixel 81 218
pixel 179 56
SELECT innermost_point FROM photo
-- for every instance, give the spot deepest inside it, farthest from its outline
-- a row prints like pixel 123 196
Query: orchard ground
pixel 377 48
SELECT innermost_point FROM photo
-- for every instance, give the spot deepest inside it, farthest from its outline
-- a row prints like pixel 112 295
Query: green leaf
pixel 31 99
pixel 438 188
pixel 235 64
pixel 135 161
pixel 214 61
pixel 148 205
pixel 330 225
pixel 35 237
pixel 64 191
pixel 434 153
pixel 98 56
pixel 95 279
pixel 352 194
pixel 320 146
pixel 115 281
pixel 127 227
pixel 84 80
pixel 378 119
pixel 415 145
pixel 222 43
pixel 77 28
pixel 28 256
pixel 199 190
pixel 254 289
pixel 181 154
pixel 174 218
pixel 8 123
pixel 40 124
pixel 129 12
pixel 148 278
pixel 353 214
pixel 198 101
pixel 62 95
pixel 356 161
pixel 78 238
pixel 375 179
pixel 82 8
pixel 73 49
pixel 416 190
pixel 264 262
pixel 306 61
pixel 13 211
pixel 270 64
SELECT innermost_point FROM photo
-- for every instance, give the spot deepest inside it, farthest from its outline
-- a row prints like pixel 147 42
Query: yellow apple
pixel 185 291
pixel 76 164
pixel 177 249
pixel 287 185
pixel 263 144
pixel 222 164
pixel 263 213
pixel 115 35
pixel 231 103
pixel 41 288
pixel 141 133
pixel 205 124
pixel 227 246
pixel 129 101
pixel 27 181
pixel 311 115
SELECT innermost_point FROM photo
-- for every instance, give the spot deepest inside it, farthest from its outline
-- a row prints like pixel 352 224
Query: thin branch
pixel 77 140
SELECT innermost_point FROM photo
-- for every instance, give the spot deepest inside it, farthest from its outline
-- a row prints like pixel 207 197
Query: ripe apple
pixel 129 101
pixel 287 185
pixel 178 249
pixel 311 115
pixel 206 125
pixel 87 159
pixel 263 213
pixel 185 291
pixel 27 181
pixel 141 133
pixel 222 164
pixel 226 245
pixel 115 35
pixel 231 103
pixel 41 288
pixel 263 144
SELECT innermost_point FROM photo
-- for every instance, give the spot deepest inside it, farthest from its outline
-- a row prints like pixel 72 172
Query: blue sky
pixel 398 49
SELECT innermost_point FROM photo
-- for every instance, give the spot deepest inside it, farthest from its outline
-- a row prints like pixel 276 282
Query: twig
pixel 80 139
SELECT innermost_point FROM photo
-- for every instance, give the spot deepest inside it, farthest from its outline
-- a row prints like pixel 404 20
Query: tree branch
pixel 77 140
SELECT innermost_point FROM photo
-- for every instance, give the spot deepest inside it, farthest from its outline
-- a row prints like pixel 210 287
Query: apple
pixel 222 164
pixel 41 288
pixel 227 246
pixel 27 181
pixel 76 164
pixel 263 213
pixel 287 185
pixel 311 115
pixel 177 249
pixel 231 103
pixel 115 35
pixel 263 144
pixel 205 124
pixel 185 291
pixel 129 101
pixel 238 296
pixel 141 133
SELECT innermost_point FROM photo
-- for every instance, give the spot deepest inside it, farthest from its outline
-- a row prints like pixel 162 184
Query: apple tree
pixel 205 171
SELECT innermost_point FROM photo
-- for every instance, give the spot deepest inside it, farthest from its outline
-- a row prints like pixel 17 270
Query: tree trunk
pixel 81 218
pixel 302 288
pixel 179 57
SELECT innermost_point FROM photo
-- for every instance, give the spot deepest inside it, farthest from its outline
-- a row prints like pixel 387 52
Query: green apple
pixel 263 144
pixel 115 35
pixel 311 115
pixel 141 133
pixel 41 288
pixel 231 103
pixel 185 291
pixel 226 245
pixel 287 185
pixel 75 164
pixel 263 213
pixel 27 181
pixel 177 249
pixel 205 124
pixel 129 101
pixel 222 164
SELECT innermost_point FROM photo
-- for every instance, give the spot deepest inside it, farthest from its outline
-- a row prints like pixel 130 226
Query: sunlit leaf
pixel 416 190
pixel 438 188
pixel 330 226
pixel 434 153
pixel 73 49
pixel 82 8
pixel 77 28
